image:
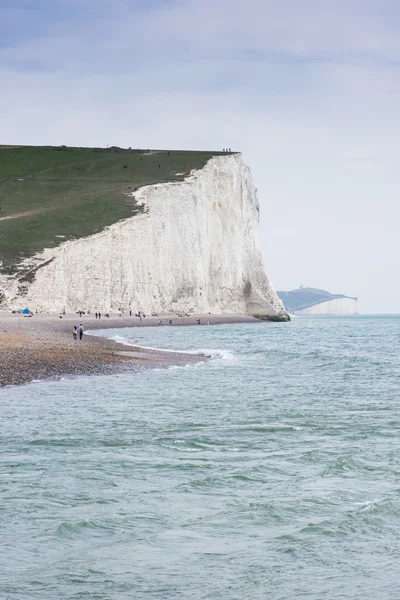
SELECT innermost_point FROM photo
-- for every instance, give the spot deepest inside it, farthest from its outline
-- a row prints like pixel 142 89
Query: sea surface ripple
pixel 270 471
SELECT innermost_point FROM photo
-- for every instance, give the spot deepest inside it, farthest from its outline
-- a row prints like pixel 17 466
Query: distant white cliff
pixel 313 301
pixel 195 248
pixel 338 306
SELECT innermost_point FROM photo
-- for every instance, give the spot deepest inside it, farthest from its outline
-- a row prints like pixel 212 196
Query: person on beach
pixel 96 315
pixel 80 331
pixel 99 315
pixel 75 333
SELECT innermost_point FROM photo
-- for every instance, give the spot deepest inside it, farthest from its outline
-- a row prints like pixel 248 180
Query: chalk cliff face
pixel 339 306
pixel 194 248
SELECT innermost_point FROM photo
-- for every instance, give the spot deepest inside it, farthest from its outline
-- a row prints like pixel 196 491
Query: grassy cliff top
pixel 49 195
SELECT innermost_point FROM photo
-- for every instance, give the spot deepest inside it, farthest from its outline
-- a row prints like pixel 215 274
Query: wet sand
pixel 42 346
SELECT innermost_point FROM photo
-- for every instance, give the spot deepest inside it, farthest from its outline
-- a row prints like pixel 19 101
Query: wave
pixel 83 527
pixel 217 353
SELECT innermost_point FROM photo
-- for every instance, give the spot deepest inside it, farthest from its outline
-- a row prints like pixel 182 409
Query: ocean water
pixel 271 471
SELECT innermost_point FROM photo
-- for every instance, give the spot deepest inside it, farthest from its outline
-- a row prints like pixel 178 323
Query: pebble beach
pixel 42 346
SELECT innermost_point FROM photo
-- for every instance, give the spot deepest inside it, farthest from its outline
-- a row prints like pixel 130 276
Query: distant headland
pixel 312 301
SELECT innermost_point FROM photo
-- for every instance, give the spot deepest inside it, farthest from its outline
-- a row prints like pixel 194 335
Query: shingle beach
pixel 42 346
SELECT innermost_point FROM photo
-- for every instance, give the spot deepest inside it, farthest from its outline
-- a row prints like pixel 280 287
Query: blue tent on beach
pixel 26 311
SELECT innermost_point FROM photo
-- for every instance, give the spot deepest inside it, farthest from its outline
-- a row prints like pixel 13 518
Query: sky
pixel 307 90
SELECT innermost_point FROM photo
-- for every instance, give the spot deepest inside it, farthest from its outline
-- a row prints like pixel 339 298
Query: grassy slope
pixel 74 192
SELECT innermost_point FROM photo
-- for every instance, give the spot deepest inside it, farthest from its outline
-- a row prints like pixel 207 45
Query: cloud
pixel 307 89
pixel 123 35
pixel 302 29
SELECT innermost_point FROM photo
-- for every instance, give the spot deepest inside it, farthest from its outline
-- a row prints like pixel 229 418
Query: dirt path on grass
pixel 22 214
pixel 27 213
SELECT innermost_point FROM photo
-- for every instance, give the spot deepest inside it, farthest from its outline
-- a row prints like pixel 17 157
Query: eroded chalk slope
pixel 195 247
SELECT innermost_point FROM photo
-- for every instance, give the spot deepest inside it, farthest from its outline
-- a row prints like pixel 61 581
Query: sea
pixel 270 471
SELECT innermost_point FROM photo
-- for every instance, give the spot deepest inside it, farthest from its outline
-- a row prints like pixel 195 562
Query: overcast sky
pixel 308 90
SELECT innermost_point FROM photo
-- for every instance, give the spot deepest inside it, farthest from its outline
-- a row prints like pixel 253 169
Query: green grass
pixel 75 192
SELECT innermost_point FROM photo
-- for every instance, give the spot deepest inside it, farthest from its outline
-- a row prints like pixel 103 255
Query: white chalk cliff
pixel 194 248
pixel 337 306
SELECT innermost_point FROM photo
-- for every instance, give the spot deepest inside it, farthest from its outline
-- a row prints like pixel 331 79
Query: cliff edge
pixel 194 247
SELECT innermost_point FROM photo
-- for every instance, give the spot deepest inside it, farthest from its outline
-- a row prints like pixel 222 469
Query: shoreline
pixel 42 347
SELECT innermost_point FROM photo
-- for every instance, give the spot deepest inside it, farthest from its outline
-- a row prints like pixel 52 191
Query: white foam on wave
pixel 367 504
pixel 188 366
pixel 219 353
pixel 215 353
pixel 131 343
